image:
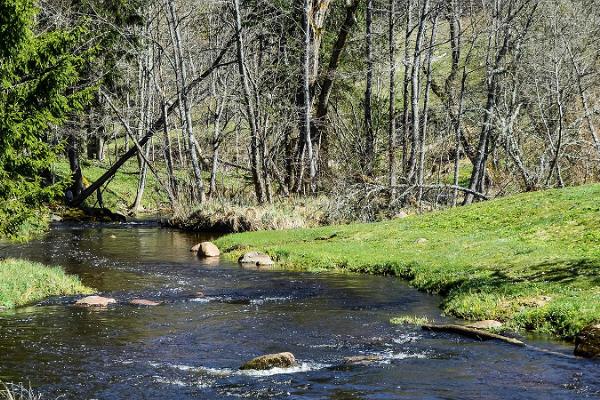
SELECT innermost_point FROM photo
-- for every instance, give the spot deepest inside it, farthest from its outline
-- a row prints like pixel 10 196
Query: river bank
pixel 192 345
pixel 24 282
pixel 530 260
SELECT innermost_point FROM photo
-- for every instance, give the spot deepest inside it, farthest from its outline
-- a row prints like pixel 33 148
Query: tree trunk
pixel 392 100
pixel 369 151
pixel 259 186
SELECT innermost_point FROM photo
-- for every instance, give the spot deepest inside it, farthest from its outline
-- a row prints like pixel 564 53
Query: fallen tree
pixel 155 127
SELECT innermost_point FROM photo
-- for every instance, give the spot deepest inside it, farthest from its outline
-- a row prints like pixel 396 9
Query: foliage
pixel 24 282
pixel 37 74
pixel 531 260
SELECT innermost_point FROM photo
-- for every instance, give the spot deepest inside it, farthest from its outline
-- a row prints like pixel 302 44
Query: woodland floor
pixel 530 260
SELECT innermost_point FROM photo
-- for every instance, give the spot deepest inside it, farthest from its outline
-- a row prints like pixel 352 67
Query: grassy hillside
pixel 532 260
pixel 23 282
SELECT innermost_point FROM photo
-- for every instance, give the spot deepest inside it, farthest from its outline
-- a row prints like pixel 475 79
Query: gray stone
pixel 256 258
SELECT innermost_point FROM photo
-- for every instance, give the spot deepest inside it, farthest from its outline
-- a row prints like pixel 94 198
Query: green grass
pixel 24 282
pixel 530 260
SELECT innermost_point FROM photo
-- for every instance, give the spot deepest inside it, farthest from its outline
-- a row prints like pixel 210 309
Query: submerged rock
pixel 144 302
pixel 486 324
pixel 362 360
pixel 256 258
pixel 95 301
pixel 268 361
pixel 587 343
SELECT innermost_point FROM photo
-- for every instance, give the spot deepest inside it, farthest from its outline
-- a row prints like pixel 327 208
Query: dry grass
pixel 230 218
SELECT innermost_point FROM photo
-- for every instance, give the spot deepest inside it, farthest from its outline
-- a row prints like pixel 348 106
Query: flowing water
pixel 191 346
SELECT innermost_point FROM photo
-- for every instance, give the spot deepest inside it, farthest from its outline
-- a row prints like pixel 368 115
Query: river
pixel 191 346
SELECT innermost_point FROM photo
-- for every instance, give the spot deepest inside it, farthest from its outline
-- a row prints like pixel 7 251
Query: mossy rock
pixel 268 361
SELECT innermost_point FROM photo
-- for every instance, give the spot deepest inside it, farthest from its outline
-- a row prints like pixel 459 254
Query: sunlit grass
pixel 24 282
pixel 531 260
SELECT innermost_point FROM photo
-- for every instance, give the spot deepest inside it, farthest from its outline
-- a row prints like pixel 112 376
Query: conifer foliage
pixel 39 72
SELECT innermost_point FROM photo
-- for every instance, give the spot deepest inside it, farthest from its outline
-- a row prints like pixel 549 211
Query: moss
pixel 531 260
pixel 24 282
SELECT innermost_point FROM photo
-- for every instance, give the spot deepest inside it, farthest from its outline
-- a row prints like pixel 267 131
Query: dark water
pixel 191 347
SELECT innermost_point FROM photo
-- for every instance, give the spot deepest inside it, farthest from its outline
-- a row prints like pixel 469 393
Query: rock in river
pixel 255 258
pixel 144 302
pixel 206 249
pixel 486 324
pixel 587 343
pixel 268 361
pixel 94 301
pixel 362 360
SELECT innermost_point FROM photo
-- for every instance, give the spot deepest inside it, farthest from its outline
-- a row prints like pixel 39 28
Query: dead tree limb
pixel 172 199
pixel 156 126
pixel 472 333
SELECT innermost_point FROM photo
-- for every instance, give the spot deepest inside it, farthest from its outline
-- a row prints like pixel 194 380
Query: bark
pixel 392 100
pixel 369 151
pixel 259 186
pixel 154 127
pixel 415 91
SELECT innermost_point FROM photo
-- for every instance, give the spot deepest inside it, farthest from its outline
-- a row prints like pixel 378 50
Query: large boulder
pixel 256 258
pixel 95 301
pixel 268 361
pixel 587 343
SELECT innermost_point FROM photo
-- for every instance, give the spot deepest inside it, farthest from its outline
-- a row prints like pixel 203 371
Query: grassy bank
pixel 531 260
pixel 24 282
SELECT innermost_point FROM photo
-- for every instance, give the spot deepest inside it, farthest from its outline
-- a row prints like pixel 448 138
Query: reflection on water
pixel 192 345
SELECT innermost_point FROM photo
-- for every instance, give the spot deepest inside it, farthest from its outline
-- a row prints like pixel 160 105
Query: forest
pixel 349 110
pixel 373 105
pixel 341 199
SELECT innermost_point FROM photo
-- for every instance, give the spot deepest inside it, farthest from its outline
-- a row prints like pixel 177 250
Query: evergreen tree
pixel 39 73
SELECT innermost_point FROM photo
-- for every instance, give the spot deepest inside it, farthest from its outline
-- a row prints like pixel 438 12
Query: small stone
pixel 421 241
pixel 112 237
pixel 55 218
pixel 268 361
pixel 208 249
pixel 144 302
pixel 400 215
pixel 587 343
pixel 256 258
pixel 362 360
pixel 486 324
pixel 95 301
